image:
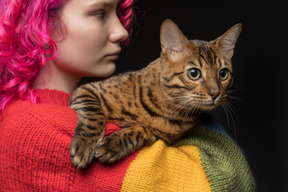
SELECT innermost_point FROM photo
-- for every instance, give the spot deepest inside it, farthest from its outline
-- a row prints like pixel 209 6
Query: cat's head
pixel 197 73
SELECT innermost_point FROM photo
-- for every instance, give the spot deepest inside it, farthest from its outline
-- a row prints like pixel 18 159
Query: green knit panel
pixel 224 163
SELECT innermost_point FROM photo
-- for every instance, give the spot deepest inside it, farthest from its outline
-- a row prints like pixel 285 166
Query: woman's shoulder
pixel 45 115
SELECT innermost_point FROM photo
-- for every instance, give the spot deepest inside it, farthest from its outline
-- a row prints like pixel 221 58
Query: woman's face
pixel 91 43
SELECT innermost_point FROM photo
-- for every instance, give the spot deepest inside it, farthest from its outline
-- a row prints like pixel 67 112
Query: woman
pixel 46 47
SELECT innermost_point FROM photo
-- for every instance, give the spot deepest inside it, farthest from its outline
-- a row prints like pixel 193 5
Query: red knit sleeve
pixel 34 154
pixel 35 148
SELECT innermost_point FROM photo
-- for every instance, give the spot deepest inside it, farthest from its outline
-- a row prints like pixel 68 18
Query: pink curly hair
pixel 26 44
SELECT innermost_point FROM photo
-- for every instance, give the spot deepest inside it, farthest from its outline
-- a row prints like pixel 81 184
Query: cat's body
pixel 160 101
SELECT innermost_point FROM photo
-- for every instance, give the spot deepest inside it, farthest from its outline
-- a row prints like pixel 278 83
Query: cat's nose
pixel 214 94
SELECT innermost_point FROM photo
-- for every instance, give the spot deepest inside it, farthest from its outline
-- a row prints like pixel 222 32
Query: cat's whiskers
pixel 231 113
pixel 192 109
pixel 176 98
pixel 188 108
pixel 179 103
pixel 234 99
pixel 184 103
pixel 234 90
pixel 226 113
pixel 179 107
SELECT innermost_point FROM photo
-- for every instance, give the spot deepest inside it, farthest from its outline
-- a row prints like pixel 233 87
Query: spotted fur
pixel 160 101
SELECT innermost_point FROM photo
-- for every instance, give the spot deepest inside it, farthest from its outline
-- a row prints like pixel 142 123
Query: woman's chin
pixel 104 71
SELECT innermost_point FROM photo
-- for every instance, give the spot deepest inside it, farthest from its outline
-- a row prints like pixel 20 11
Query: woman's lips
pixel 113 56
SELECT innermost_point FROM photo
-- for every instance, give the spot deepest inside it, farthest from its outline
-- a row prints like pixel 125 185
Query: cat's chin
pixel 207 107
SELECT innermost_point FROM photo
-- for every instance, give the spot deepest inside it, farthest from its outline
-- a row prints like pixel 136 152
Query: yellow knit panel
pixel 162 168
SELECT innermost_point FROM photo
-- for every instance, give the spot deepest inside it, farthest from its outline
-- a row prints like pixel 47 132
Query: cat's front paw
pixel 109 151
pixel 81 153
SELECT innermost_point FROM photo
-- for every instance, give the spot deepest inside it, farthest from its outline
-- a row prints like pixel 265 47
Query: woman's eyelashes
pixel 100 14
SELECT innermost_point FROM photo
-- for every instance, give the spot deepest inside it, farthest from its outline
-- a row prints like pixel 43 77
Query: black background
pixel 260 72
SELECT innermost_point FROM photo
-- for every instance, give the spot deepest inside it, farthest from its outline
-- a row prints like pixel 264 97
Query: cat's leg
pixel 89 130
pixel 84 142
pixel 123 142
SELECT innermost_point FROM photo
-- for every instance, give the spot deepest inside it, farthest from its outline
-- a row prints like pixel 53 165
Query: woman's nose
pixel 118 32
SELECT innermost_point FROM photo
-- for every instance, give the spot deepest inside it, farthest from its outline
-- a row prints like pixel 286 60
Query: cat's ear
pixel 172 39
pixel 228 40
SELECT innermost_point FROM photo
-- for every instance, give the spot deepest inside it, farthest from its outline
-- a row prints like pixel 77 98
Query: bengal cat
pixel 160 101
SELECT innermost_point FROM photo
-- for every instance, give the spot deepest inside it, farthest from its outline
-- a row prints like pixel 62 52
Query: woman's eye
pixel 223 74
pixel 100 14
pixel 194 74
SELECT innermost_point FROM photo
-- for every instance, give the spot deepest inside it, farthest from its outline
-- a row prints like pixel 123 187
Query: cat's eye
pixel 223 74
pixel 194 73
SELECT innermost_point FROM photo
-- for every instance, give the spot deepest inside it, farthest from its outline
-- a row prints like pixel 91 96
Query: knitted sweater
pixel 34 156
